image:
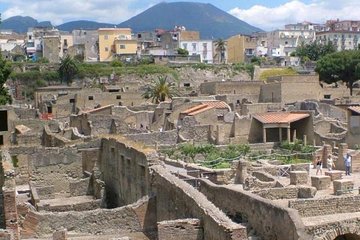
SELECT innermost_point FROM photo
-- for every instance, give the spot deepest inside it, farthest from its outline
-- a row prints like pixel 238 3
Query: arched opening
pixel 348 236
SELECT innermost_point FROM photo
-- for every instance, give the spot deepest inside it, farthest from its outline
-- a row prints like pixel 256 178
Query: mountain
pixel 82 24
pixel 21 24
pixel 210 21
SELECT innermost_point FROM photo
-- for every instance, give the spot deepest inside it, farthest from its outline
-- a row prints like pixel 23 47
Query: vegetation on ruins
pixel 160 89
pixel 213 157
pixel 344 66
pixel 68 69
pixel 244 67
pixel 5 70
pixel 277 72
pixel 313 51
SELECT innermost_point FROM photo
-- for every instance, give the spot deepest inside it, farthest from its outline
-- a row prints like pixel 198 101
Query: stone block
pixel 320 182
pixel 298 177
pixel 334 175
pixel 343 186
pixel 60 235
pixel 181 229
pixel 306 192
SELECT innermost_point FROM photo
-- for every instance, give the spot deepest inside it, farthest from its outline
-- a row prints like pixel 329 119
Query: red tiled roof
pixel 192 109
pixel 280 117
pixel 203 109
pixel 217 104
pixel 355 109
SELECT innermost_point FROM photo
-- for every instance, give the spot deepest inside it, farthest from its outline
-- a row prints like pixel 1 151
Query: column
pixel 264 134
pixel 280 134
pixel 288 134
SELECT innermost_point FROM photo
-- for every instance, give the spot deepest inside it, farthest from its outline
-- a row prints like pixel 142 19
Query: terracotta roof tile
pixel 280 117
pixel 217 104
pixel 200 110
pixel 355 109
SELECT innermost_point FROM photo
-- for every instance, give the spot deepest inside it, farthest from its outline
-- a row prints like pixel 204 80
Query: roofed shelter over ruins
pixel 296 125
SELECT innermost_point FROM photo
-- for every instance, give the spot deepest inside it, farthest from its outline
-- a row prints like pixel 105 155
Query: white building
pixel 204 48
pixel 281 43
pixel 342 40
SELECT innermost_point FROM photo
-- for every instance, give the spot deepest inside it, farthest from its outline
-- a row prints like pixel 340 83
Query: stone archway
pixel 348 236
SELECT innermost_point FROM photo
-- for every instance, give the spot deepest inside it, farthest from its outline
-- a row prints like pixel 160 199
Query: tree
pixel 159 90
pixel 313 51
pixel 220 47
pixel 183 52
pixel 68 69
pixel 344 66
pixel 5 70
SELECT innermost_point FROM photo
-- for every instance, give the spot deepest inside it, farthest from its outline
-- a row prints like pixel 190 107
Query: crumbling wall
pixel 199 134
pixel 95 222
pixel 269 220
pixel 154 138
pixel 178 200
pixel 182 229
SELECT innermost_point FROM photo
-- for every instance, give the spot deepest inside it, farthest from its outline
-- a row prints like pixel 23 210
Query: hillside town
pixel 113 134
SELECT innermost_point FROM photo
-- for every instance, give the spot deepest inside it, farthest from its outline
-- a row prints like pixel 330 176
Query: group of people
pixel 330 164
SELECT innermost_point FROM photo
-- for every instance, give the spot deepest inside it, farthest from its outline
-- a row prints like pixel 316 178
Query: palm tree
pixel 220 49
pixel 68 69
pixel 160 89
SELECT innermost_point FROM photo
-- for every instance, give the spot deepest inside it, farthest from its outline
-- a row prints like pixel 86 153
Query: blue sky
pixel 266 14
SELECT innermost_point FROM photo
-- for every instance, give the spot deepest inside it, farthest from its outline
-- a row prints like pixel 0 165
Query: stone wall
pixel 48 166
pixel 95 222
pixel 291 192
pixel 244 88
pixel 317 207
pixel 177 199
pixel 125 171
pixel 182 229
pixel 154 138
pixel 199 134
pixel 269 220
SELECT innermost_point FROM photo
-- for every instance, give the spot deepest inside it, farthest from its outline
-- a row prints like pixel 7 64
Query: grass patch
pixel 277 72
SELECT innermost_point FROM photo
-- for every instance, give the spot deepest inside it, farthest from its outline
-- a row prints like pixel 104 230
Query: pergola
pixel 279 120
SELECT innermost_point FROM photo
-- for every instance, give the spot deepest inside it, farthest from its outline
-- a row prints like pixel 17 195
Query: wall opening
pixel 348 236
pixel 3 121
pixel 1 140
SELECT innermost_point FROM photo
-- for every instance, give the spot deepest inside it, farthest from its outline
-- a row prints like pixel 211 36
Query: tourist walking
pixel 318 165
pixel 347 160
pixel 330 163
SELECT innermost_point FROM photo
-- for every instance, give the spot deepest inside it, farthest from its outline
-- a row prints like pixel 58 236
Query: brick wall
pixel 182 229
pixel 317 207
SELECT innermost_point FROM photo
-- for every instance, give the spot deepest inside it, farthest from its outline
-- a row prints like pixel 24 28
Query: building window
pixel 91 98
pixel 4 121
pixel 122 46
pixel 106 49
pixel 72 100
pixel 118 97
pixel 120 103
pixel 106 37
pixel 194 46
pixel 65 42
pixel 220 117
pixel 186 84
pixel 327 96
pixel 139 35
pixel 184 45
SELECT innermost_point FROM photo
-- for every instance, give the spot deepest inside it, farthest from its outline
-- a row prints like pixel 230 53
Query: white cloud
pixel 111 11
pixel 317 11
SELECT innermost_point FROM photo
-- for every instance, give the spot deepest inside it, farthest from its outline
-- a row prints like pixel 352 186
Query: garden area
pixel 215 157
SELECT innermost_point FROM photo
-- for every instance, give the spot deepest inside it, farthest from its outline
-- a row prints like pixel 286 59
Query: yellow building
pixel 239 47
pixel 114 41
